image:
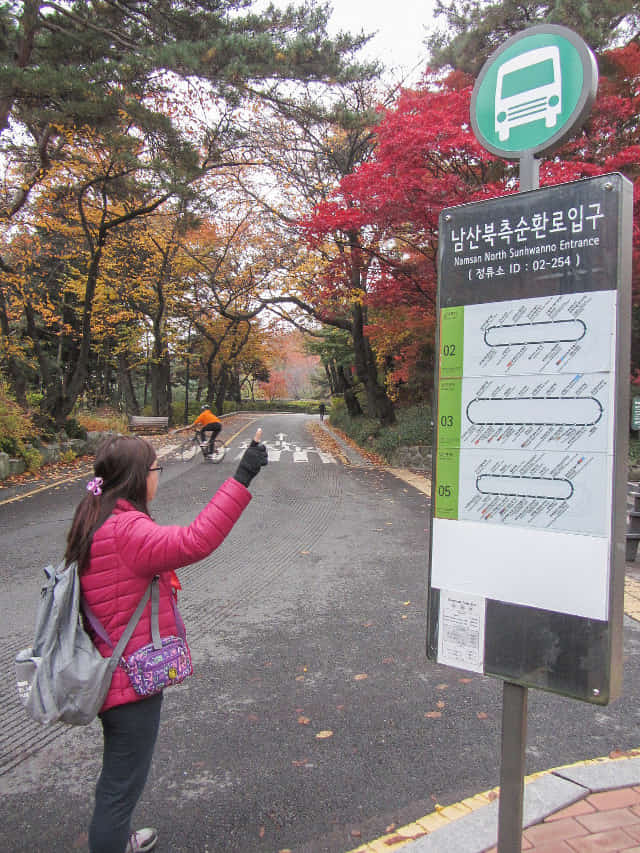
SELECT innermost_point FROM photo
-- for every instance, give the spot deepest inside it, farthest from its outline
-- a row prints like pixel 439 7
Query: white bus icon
pixel 529 88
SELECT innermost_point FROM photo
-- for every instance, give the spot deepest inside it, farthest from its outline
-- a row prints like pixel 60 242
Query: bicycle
pixel 192 444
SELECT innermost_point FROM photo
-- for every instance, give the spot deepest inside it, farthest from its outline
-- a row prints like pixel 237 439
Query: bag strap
pixel 128 631
pixel 153 591
pixel 155 627
pixel 155 622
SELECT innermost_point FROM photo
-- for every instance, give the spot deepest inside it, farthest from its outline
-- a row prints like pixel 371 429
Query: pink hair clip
pixel 94 486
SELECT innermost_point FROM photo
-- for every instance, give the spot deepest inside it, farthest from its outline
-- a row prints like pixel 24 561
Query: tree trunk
pixel 346 387
pixel 126 385
pixel 221 390
pixel 378 403
pixel 234 392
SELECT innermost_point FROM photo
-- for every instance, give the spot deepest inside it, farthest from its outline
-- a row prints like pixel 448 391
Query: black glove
pixel 255 456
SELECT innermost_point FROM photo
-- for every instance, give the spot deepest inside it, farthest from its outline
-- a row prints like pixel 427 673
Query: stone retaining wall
pixel 417 457
pixel 53 452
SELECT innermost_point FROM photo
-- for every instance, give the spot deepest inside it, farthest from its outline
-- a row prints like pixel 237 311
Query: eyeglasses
pixel 157 468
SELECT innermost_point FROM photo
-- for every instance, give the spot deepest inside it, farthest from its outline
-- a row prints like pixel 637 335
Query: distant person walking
pixel 322 410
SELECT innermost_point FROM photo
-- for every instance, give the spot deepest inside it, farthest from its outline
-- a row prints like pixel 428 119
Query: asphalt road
pixel 313 721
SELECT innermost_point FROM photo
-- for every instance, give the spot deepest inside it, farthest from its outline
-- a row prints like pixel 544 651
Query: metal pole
pixel 514 697
pixel 529 172
pixel 514 741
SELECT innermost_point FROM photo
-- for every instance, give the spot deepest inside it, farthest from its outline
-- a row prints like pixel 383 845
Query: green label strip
pixel 449 412
pixel 451 342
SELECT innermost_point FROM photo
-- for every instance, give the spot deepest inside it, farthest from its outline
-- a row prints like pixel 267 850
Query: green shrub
pixel 413 427
pixel 32 458
pixel 74 429
pixel 16 431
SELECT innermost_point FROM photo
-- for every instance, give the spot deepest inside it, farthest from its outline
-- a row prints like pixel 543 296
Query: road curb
pixel 472 824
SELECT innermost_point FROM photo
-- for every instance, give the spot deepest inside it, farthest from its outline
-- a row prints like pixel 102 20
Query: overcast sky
pixel 401 27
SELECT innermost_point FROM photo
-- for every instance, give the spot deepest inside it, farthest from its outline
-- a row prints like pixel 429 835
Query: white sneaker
pixel 142 840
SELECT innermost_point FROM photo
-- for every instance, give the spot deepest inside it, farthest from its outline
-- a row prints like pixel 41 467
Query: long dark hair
pixel 123 463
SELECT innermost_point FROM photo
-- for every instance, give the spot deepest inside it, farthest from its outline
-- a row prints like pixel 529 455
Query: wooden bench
pixel 144 423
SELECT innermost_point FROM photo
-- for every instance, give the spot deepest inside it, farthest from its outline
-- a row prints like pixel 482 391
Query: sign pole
pixel 514 740
pixel 529 172
pixel 514 697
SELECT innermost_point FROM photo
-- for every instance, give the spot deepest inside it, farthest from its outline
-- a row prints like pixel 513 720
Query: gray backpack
pixel 63 677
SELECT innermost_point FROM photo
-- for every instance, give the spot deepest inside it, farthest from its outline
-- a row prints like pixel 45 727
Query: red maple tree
pixel 383 217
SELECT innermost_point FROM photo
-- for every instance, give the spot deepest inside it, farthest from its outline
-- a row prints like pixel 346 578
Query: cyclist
pixel 207 422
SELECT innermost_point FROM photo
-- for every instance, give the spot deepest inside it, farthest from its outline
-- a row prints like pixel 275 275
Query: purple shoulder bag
pixel 162 662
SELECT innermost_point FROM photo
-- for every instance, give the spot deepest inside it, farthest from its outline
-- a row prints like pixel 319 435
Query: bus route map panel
pixel 532 373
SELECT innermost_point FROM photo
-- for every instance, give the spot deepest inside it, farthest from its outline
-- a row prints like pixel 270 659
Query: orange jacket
pixel 205 418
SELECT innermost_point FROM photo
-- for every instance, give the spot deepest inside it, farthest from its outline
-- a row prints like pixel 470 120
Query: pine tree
pixel 475 28
pixel 66 65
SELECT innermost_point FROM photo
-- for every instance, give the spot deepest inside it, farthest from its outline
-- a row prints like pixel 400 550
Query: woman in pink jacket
pixel 119 549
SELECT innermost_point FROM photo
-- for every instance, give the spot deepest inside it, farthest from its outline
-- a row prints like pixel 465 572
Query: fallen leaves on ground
pixel 54 471
pixel 304 721
pixel 623 753
pixel 323 735
pixel 324 441
pixel 371 457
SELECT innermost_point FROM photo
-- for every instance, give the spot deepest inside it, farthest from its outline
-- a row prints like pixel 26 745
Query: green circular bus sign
pixel 533 91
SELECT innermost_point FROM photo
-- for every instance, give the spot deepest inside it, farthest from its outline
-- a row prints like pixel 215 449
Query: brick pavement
pixel 608 821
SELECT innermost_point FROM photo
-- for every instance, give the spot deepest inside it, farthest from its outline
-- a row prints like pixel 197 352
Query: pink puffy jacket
pixel 128 550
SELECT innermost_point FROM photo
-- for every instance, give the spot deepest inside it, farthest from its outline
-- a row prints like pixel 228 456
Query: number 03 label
pixel 451 359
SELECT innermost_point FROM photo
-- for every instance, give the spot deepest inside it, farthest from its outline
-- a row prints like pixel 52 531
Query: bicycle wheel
pixel 189 448
pixel 219 451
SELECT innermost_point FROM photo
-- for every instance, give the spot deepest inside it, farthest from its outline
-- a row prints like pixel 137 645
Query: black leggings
pixel 130 733
pixel 214 430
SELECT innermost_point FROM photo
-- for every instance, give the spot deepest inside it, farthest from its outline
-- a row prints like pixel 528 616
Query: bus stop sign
pixel 533 92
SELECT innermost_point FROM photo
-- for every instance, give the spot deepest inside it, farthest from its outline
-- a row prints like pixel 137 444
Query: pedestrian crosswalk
pixel 279 450
pixel 284 451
